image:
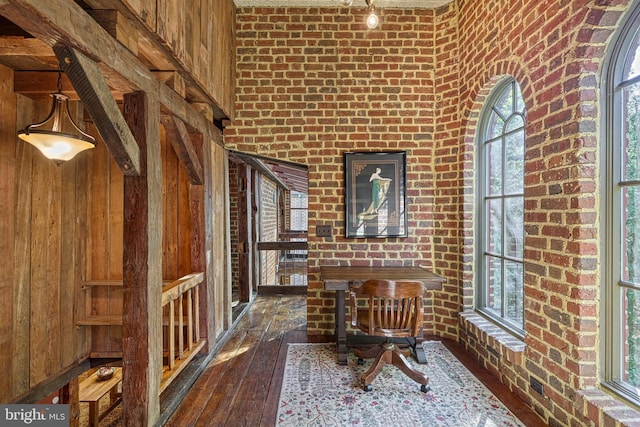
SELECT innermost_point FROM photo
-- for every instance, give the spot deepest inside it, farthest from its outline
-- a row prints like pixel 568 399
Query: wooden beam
pixel 17 46
pixel 142 268
pixel 41 84
pixel 96 97
pixel 184 148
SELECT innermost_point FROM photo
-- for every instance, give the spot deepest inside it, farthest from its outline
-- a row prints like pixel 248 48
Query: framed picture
pixel 375 194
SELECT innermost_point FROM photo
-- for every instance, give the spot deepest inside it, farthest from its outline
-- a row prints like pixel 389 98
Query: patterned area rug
pixel 316 391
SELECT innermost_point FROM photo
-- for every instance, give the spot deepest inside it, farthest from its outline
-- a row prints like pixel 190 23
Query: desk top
pixel 337 278
pixel 92 390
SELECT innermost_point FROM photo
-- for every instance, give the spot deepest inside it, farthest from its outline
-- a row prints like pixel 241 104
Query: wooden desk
pixel 92 390
pixel 340 278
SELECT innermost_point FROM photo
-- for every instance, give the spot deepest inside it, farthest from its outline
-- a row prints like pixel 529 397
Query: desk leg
pixel 421 357
pixel 341 329
pixel 94 414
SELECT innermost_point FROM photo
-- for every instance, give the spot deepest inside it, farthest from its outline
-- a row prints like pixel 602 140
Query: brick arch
pixel 492 77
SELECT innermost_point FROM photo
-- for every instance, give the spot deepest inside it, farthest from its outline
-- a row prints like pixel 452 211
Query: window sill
pixel 495 338
pixel 605 408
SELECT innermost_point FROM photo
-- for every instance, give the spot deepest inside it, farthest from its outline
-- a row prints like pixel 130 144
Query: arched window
pixel 621 204
pixel 501 195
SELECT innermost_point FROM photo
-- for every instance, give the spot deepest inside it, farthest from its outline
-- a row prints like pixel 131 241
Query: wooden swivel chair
pixel 394 310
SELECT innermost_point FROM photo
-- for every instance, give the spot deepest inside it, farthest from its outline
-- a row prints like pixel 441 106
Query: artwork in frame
pixel 375 194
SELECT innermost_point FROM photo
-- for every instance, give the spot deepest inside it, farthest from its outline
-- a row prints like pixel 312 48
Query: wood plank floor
pixel 241 384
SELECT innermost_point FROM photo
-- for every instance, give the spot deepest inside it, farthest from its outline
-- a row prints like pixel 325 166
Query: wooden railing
pixel 181 325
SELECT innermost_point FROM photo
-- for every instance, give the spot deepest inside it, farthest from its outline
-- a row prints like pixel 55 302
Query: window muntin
pixel 501 230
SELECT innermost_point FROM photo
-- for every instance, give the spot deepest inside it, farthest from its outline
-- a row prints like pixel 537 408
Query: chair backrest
pixel 394 310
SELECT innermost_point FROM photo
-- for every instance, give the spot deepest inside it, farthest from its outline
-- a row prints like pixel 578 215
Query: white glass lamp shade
pixel 346 3
pixel 56 146
pixel 372 19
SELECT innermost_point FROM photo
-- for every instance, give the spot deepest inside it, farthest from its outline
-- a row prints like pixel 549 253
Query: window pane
pixel 494 165
pixel 514 291
pixel 630 160
pixel 495 126
pixel 631 335
pixel 631 234
pixel 494 280
pixel 513 230
pixel 494 226
pixel 298 200
pixel 505 103
pixel 515 122
pixel 632 65
pixel 514 169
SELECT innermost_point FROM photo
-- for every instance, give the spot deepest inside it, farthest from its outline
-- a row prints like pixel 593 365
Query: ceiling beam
pixel 88 81
pixel 18 46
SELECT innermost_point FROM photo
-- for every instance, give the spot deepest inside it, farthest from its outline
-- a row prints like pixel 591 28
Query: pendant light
pixel 372 19
pixel 56 144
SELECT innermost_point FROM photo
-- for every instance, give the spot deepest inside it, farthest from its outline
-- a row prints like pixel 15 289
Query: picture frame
pixel 375 194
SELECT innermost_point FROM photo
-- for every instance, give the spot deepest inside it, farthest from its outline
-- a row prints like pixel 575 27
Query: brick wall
pixel 314 83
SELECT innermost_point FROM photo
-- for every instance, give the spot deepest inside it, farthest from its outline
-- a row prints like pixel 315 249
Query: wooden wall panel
pixel 21 275
pixel 176 215
pixel 172 25
pixel 145 9
pixel 7 225
pixel 170 210
pixel 223 53
pixel 183 230
pixel 105 246
pixel 201 35
pixel 43 206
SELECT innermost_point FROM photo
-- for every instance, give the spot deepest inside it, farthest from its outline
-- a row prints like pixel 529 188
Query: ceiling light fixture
pixel 346 3
pixel 55 144
pixel 372 18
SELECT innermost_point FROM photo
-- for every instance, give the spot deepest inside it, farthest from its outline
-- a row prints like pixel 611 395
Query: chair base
pixel 389 354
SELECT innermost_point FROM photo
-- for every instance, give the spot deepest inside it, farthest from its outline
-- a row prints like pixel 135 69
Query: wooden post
pixel 70 397
pixel 142 259
pixel 253 253
pixel 245 270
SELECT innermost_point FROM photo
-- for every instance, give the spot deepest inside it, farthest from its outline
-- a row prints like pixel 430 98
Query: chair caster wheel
pixel 360 361
pixel 424 388
pixel 367 388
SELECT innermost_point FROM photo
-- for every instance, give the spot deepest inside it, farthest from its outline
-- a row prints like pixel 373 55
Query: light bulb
pixel 372 19
pixel 346 3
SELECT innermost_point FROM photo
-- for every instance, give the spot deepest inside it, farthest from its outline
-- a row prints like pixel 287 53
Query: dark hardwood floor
pixel 241 384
